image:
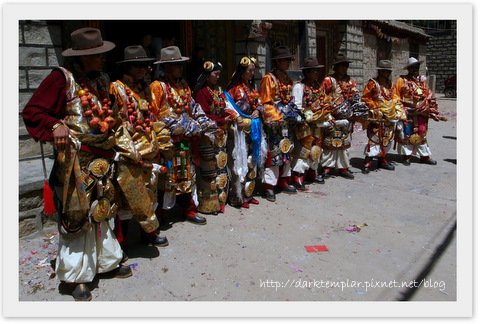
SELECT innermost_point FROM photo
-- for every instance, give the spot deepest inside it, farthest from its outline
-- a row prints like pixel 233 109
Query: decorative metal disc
pixel 102 210
pixel 99 167
pixel 222 158
pixel 285 146
pixel 222 181
pixel 315 152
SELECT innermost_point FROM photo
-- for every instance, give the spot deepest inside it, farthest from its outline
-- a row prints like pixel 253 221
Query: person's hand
pixel 255 114
pixel 61 140
pixel 220 132
pixel 228 118
pixel 239 121
pixel 407 103
pixel 420 105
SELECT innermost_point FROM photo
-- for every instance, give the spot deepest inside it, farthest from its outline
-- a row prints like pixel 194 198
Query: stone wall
pixel 369 57
pixel 39 51
pixel 352 44
pixel 400 55
pixel 442 57
pixel 311 38
pixel 286 33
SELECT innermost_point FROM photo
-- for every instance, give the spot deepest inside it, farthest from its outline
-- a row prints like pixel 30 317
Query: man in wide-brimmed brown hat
pixel 72 109
pixel 340 87
pixel 172 104
pixel 385 112
pixel 276 95
pixel 133 97
pixel 415 95
pixel 135 67
pixel 309 97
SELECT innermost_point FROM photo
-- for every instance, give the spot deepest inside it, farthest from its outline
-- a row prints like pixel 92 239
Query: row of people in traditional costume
pixel 127 150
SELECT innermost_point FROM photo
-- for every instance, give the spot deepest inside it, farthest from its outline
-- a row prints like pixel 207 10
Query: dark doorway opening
pixel 132 32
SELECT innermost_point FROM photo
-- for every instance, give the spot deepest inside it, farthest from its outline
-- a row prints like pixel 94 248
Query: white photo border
pixel 14 12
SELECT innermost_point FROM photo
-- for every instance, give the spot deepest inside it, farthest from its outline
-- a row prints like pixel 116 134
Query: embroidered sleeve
pixel 370 95
pixel 267 97
pixel 158 97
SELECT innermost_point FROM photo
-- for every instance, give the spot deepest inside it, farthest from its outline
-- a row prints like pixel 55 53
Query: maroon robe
pixel 46 107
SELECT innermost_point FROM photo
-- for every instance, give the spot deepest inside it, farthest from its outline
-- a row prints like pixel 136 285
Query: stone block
pixel 37 34
pixel 42 34
pixel 28 226
pixel 28 148
pixel 20 34
pixel 32 56
pixel 22 79
pixel 30 200
pixel 261 60
pixel 22 130
pixel 35 77
pixel 54 57
pixel 23 98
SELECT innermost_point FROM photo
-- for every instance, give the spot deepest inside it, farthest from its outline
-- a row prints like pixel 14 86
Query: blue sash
pixel 255 129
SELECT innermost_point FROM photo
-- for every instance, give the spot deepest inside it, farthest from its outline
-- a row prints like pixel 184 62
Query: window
pixel 384 50
pixel 413 49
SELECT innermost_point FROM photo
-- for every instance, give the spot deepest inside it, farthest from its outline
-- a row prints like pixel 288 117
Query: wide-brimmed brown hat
pixel 87 41
pixel 171 54
pixel 281 52
pixel 311 63
pixel 135 53
pixel 411 62
pixel 341 58
pixel 385 65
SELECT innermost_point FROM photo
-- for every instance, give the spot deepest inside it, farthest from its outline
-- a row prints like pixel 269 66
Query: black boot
pixel 122 272
pixel 384 164
pixel 269 192
pixel 298 181
pixel 327 173
pixel 347 174
pixel 154 239
pixel 81 293
pixel 367 165
pixel 284 185
pixel 314 177
pixel 427 160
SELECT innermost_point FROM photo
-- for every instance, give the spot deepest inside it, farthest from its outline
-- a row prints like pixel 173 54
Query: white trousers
pixel 375 150
pixel 417 150
pixel 96 251
pixel 335 159
pixel 272 173
pixel 301 165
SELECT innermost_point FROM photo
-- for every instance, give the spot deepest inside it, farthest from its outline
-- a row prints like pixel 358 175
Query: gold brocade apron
pixel 89 183
pixel 380 133
pixel 336 138
pixel 212 179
